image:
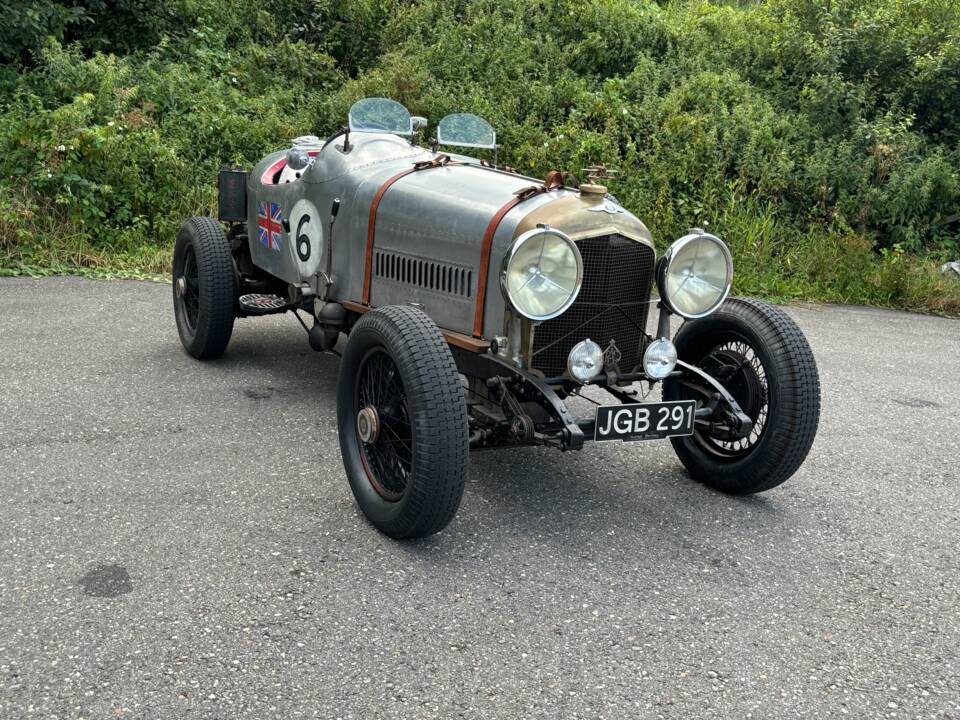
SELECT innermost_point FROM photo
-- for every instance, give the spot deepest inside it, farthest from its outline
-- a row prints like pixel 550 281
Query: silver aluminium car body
pixel 427 232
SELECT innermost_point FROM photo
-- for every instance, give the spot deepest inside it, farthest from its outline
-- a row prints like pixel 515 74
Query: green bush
pixel 820 137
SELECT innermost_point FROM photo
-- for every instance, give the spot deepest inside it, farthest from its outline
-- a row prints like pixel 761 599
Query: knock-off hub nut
pixel 368 425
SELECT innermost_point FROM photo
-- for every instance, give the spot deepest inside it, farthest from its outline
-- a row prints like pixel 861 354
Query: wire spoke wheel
pixel 738 367
pixel 189 296
pixel 402 419
pixel 760 356
pixel 384 431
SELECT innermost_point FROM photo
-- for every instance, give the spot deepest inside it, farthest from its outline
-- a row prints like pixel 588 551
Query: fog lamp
pixel 659 359
pixel 585 361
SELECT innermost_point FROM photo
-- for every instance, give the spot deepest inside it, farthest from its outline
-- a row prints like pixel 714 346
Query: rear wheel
pixel 402 422
pixel 204 287
pixel 762 358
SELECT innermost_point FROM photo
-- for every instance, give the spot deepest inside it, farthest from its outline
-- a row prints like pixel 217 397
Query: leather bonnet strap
pixel 439 161
pixel 485 260
pixel 553 181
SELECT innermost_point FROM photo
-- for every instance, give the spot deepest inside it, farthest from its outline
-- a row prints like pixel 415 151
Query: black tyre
pixel 204 287
pixel 763 359
pixel 403 422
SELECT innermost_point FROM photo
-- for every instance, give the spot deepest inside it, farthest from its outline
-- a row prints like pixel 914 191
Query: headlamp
pixel 695 274
pixel 659 359
pixel 542 273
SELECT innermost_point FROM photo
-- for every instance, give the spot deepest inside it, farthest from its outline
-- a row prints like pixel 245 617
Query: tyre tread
pixel 798 402
pixel 438 407
pixel 218 287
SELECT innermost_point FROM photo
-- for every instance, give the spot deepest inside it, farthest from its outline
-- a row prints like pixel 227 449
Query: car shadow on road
pixel 576 492
pixel 281 355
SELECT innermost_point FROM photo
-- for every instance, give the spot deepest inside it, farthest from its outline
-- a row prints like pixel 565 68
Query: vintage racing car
pixel 476 302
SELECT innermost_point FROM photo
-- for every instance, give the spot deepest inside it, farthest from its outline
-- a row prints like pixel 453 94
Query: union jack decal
pixel 270 220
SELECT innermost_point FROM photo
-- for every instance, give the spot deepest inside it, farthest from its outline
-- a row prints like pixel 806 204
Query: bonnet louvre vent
pixel 426 274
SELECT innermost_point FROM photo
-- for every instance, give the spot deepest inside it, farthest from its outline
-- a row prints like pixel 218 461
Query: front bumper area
pixel 521 408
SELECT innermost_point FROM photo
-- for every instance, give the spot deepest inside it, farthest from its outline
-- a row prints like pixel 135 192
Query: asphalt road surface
pixel 178 539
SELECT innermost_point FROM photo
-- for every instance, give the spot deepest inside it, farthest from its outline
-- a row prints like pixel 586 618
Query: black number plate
pixel 645 421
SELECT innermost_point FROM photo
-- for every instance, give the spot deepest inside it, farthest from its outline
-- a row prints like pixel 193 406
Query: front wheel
pixel 403 422
pixel 762 358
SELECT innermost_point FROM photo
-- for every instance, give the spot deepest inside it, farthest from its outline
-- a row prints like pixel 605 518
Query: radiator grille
pixel 612 304
pixel 427 274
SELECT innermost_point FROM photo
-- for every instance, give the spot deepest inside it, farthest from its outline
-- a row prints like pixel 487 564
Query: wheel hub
pixel 743 382
pixel 181 287
pixel 737 367
pixel 368 425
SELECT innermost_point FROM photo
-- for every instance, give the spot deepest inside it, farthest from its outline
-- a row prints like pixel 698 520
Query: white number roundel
pixel 306 235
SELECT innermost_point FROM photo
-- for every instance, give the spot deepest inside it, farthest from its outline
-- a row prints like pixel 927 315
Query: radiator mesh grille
pixel 612 304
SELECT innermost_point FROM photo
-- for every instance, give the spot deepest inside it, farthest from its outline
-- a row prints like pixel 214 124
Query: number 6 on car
pixel 475 301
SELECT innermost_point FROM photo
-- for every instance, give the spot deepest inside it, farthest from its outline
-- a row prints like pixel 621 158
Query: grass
pixel 820 140
pixel 96 273
pixel 55 257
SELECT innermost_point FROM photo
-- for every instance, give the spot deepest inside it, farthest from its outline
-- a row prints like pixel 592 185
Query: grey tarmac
pixel 178 540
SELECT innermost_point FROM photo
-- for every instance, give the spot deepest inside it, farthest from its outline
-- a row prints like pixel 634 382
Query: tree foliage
pixel 811 133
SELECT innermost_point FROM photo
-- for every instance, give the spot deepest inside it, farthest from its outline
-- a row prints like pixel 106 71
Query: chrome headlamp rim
pixel 664 265
pixel 518 243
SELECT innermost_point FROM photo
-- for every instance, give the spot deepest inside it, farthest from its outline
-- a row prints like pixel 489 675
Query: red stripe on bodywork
pixel 553 181
pixel 439 161
pixel 270 172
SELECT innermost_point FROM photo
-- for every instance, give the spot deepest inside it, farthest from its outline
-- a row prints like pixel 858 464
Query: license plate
pixel 645 421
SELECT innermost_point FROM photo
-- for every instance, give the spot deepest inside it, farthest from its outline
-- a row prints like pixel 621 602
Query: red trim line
pixel 439 161
pixel 270 172
pixel 553 181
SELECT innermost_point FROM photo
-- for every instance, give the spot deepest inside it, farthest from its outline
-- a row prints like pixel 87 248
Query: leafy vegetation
pixel 821 138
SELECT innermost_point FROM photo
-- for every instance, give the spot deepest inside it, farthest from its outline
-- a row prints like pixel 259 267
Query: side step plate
pixel 259 304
